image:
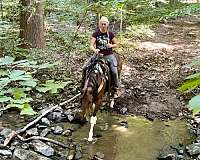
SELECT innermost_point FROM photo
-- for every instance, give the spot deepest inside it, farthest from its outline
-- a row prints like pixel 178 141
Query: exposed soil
pixel 157 67
pixel 151 72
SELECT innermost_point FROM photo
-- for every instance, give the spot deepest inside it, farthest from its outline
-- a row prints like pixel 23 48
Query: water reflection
pixel 142 140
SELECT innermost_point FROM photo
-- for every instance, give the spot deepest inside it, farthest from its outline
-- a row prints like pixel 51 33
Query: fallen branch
pixel 14 133
pixel 43 139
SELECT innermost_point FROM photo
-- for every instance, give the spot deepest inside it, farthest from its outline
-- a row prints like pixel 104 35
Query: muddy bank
pixel 157 67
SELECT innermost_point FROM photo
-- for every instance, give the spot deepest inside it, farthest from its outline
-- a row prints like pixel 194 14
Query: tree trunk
pixel 32 24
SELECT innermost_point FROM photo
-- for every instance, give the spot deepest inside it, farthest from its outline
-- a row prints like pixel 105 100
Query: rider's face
pixel 103 26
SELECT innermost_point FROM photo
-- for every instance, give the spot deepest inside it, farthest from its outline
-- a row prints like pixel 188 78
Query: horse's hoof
pixel 90 139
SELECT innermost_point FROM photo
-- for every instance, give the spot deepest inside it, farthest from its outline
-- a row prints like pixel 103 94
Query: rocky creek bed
pixel 151 74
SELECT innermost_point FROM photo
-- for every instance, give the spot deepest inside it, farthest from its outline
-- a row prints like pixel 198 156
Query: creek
pixel 119 137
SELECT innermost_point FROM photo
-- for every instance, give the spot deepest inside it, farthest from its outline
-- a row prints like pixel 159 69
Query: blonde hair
pixel 104 19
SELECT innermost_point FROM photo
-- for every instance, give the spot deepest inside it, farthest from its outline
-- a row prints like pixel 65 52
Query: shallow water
pixel 141 140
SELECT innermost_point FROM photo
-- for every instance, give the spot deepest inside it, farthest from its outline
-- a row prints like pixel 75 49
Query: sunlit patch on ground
pixel 119 128
pixel 126 70
pixel 155 46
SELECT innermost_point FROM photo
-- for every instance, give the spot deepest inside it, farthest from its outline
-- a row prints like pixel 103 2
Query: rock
pixel 124 123
pixel 67 133
pixel 57 130
pixel 180 151
pixel 55 116
pixel 167 157
pixel 1 113
pixel 6 152
pixel 23 154
pixel 123 110
pixel 198 132
pixel 25 146
pixel 180 157
pixel 45 121
pixel 45 132
pixel 70 118
pixel 5 132
pixel 71 155
pixel 68 112
pixel 41 126
pixel 1 140
pixel 32 132
pixel 42 148
pixel 98 156
pixel 78 155
pixel 193 149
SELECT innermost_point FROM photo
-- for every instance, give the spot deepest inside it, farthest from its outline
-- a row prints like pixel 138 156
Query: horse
pixel 96 83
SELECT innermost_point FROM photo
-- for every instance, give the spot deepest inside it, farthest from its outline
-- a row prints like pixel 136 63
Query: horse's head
pixel 94 83
pixel 86 101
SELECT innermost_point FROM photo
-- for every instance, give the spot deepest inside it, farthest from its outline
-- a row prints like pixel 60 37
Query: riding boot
pixel 116 85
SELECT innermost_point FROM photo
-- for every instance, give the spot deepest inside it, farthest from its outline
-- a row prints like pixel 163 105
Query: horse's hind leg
pixel 112 102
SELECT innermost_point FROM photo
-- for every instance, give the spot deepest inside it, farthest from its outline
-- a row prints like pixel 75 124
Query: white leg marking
pixel 112 103
pixel 92 122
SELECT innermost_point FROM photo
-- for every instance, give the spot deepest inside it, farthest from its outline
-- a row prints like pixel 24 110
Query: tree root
pixel 15 133
pixel 43 139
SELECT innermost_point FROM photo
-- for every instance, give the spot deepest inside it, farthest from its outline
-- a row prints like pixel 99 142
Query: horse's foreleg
pixel 93 120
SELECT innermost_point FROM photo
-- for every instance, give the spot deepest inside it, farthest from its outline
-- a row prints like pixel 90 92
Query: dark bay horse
pixel 97 82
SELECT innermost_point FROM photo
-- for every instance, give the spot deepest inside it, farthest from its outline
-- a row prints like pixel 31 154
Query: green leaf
pixel 194 63
pixel 18 93
pixel 27 110
pixel 52 86
pixel 29 83
pixel 3 73
pixel 195 111
pixel 22 101
pixel 21 61
pixel 12 105
pixel 189 85
pixel 196 75
pixel 43 89
pixel 194 102
pixel 5 99
pixel 19 75
pixel 4 82
pixel 2 92
pixel 30 64
pixel 16 73
pixel 6 60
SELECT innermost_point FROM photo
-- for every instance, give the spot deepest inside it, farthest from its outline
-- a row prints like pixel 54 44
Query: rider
pixel 102 42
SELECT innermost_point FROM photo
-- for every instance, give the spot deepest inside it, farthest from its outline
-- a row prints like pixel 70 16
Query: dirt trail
pixel 156 68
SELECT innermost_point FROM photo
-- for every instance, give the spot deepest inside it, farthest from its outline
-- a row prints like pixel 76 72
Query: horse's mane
pixel 97 66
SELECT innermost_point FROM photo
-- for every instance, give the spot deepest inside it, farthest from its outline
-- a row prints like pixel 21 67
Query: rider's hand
pixel 97 51
pixel 109 45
